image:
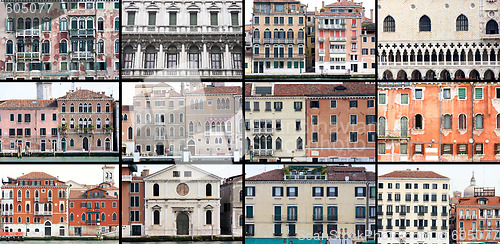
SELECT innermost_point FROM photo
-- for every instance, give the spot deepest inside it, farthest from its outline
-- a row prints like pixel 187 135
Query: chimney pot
pixel 322 4
pixel 371 14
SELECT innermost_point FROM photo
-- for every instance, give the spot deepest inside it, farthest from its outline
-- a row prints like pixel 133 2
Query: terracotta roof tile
pixel 351 88
pixel 218 90
pixel 174 94
pixel 37 175
pixel 85 94
pixel 335 173
pixel 79 194
pixel 337 14
pixel 28 103
pixel 343 3
pixel 248 89
pixel 161 84
pixel 492 201
pixel 412 174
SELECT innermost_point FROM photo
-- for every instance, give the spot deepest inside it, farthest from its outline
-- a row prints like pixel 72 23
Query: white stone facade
pixel 450 50
pixel 182 39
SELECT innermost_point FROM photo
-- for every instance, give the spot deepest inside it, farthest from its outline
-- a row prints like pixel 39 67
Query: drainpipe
pixel 473 125
pixel 367 207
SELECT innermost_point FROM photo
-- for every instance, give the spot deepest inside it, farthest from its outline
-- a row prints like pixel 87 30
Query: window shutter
pixel 193 18
pixel 234 18
pixel 152 18
pixel 173 18
pixel 442 149
pixel 451 121
pixel 213 18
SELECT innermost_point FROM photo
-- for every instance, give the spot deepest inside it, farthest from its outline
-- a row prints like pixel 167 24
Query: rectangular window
pixel 353 119
pixel 382 98
pixel 292 191
pixel 462 93
pixel 332 191
pixel 360 212
pixel 370 103
pixel 419 93
pixel 250 191
pixel 478 93
pixel 333 137
pixel 268 106
pixel 315 137
pixel 317 191
pixel 277 191
pixel 446 93
pixel 353 103
pixel 333 104
pixel 214 20
pixel 353 136
pixel 381 148
pixel 193 18
pixel 371 136
pixel 314 104
pixel 256 106
pixel 478 148
pixel 404 98
pixel 278 106
pixel 447 149
pixel 403 148
pixel 333 119
pixel 314 119
pixel 297 106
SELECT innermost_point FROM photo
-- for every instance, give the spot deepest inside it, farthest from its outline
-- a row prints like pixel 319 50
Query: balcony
pixel 474 216
pixel 434 227
pixel 332 217
pixel 289 41
pixel 338 50
pixel 268 40
pixel 389 213
pixel 389 227
pixel 402 227
pixel 321 51
pixel 28 55
pixel 37 199
pixel 163 72
pixel 19 199
pixel 444 214
pixel 490 36
pixel 82 33
pixel 467 217
pixel 49 199
pixel 291 218
pixel 263 152
pixel 402 213
pixel 338 38
pixel 481 227
pixel 27 33
pixel 380 213
pixel 301 41
pixel 85 131
pixel 421 213
pixel 321 38
pixel 159 138
pixel 126 177
pixel 461 217
pixel 332 26
pixel 82 55
pixel 278 218
pixel 256 40
pixel 263 131
pixel 93 222
pixel 8 212
pixel 394 134
pixel 444 227
pixel 305 177
pixel 43 212
pixel 181 29
pixel 318 218
pixel 434 214
pixel 159 122
pixel 420 227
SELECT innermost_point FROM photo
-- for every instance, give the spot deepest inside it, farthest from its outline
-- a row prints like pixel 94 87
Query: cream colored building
pixel 413 207
pixel 300 201
pixel 182 200
pixel 275 125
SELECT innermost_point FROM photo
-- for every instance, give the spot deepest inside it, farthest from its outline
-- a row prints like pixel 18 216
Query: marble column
pixel 227 58
pixel 183 60
pixel 161 63
pixel 138 57
pixel 204 57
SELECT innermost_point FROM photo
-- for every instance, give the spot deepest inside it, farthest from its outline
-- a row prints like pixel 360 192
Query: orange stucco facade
pixel 478 219
pixel 439 121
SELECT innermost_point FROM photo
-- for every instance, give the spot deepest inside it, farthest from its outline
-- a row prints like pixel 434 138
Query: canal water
pixel 60 159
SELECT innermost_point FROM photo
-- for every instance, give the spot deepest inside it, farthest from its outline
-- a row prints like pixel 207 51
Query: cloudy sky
pixel 27 90
pixel 486 175
pixel 89 174
pixel 368 4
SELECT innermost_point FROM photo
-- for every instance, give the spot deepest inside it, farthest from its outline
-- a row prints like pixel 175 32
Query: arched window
pixel 71 142
pixel 27 194
pixel 138 131
pixel 80 108
pixel 46 24
pixel 98 123
pixel 256 144
pixel 181 118
pixel 63 108
pixel 194 57
pixel 171 118
pixel 10 24
pixel 381 126
pixel 99 143
pixel 100 24
pixel 63 47
pixel 404 126
pixel 419 122
pixel 10 47
pixel 71 217
pixel 278 143
pixel 63 24
pixel 424 23
pixel 228 126
pixel 462 23
pixel 83 216
pixel 148 131
pixel 208 190
pixel 130 133
pixel 114 216
pixel 117 24
pixel 181 131
pixel 171 132
pixel 89 107
pixel 209 217
pixel 479 121
pixel 103 216
pixel 492 27
pixel 207 126
pixel 107 108
pixel 269 142
pixel 462 122
pixel 156 190
pixel 191 127
pixel 156 217
pixel 172 57
pixel 299 143
pixel 72 108
pixel 389 24
pixel 148 118
pixel 150 57
pixel 447 121
pixel 138 118
pixel 98 108
pixel 215 57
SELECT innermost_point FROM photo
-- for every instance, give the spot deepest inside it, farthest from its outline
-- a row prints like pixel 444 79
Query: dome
pixel 469 191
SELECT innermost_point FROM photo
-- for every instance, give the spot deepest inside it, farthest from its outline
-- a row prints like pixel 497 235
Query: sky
pixel 221 170
pixel 128 89
pixel 90 174
pixel 251 170
pixel 368 4
pixel 27 90
pixel 486 175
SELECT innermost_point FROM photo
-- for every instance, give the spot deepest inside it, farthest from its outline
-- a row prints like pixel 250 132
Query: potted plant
pixel 322 10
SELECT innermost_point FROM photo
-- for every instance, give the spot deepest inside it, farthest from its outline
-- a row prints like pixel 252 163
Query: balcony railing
pixel 434 214
pixel 263 152
pixel 434 227
pixel 160 72
pixel 256 40
pixel 27 33
pixel 338 50
pixel 263 130
pixel 189 29
pixel 394 134
pixel 43 212
pixel 420 227
pixel 49 199
pixel 305 177
pixel 300 41
pixel 159 138
pixel 402 227
pixel 338 38
pixel 421 214
pixel 83 55
pixel 28 55
pixel 321 50
pixel 317 217
pixel 277 218
pixel 467 217
pixel 126 178
pixel 402 213
pixel 291 218
pixel 93 222
pixel 444 214
pixel 332 217
pixel 380 213
pixel 389 227
pixel 444 227
pixel 82 33
pixel 8 212
pixel 474 216
pixel 388 213
pixel 331 26
pixel 321 38
pixel 461 217
pixel 37 199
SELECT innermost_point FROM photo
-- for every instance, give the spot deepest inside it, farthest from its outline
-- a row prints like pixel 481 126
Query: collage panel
pixel 301 203
pixel 426 203
pixel 59 122
pixel 59 40
pixel 439 122
pixel 192 40
pixel 310 39
pixel 46 203
pixel 182 203
pixel 182 122
pixel 310 122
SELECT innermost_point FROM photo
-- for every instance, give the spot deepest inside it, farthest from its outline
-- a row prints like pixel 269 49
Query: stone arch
pixel 459 74
pixel 474 74
pixel 402 75
pixel 445 75
pixel 489 75
pixel 416 75
pixel 387 75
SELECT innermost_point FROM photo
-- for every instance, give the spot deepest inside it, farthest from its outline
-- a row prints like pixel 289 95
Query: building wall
pixel 411 215
pixel 55 35
pixel 201 36
pixel 35 139
pixel 232 209
pixel 324 149
pixel 91 228
pixel 127 223
pixel 128 121
pixel 472 221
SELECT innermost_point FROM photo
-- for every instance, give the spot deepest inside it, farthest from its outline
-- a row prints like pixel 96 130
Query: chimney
pixel 145 172
pixel 315 9
pixel 322 4
pixel 371 14
pixel 363 13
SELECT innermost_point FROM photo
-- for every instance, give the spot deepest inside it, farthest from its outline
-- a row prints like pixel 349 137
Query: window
pixel 250 191
pixel 419 93
pixel 447 149
pixel 156 190
pixel 478 148
pixel 371 136
pixel 297 106
pixel 403 148
pixel 277 191
pixel 462 23
pixel 333 119
pixel 315 137
pixel 425 23
pixel 478 93
pixel 447 93
pixel 299 143
pixel 419 122
pixel 353 119
pixel 479 122
pixel 314 119
pixel 389 24
pixel 193 18
pixel 292 191
pixel 370 103
pixel 353 103
pixel 419 148
pixel 314 104
pixel 333 137
pixel 462 122
pixel 447 122
pixel 333 104
pixel 353 136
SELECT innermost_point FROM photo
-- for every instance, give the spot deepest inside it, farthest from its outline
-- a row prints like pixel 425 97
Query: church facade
pixel 182 200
